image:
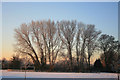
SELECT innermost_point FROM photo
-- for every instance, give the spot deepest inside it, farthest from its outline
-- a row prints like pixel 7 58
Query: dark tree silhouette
pixel 98 65
pixel 5 63
pixel 109 46
pixel 15 63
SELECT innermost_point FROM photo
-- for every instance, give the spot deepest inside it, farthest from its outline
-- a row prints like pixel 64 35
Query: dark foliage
pixel 15 63
pixel 98 65
pixel 4 64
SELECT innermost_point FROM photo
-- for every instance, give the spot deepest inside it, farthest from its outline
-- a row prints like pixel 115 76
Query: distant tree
pixel 109 46
pixel 98 65
pixel 78 43
pixel 51 40
pixel 88 36
pixel 91 43
pixel 5 64
pixel 84 35
pixel 15 63
pixel 67 31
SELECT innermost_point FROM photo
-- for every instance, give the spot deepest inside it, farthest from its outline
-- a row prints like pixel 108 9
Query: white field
pixel 11 74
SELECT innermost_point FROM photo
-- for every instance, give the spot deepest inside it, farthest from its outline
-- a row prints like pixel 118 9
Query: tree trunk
pixel 77 53
pixel 70 56
pixel 89 62
pixel 82 55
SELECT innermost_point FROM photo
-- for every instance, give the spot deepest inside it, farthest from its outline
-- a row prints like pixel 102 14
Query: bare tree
pixel 85 42
pixel 109 46
pixel 36 39
pixel 83 45
pixel 40 41
pixel 78 45
pixel 24 43
pixel 67 30
pixel 80 26
pixel 91 43
pixel 51 40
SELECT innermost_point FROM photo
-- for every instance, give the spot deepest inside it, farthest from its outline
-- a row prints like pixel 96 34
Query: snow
pixel 11 74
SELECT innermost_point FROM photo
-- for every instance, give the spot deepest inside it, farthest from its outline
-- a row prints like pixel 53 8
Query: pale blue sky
pixel 104 15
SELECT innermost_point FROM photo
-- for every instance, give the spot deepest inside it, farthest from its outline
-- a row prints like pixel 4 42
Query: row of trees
pixel 14 63
pixel 17 63
pixel 46 41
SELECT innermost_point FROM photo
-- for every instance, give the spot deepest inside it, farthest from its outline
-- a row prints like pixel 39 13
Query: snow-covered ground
pixel 11 74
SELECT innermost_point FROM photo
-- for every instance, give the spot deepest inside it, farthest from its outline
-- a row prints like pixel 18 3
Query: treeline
pixel 69 44
pixel 14 63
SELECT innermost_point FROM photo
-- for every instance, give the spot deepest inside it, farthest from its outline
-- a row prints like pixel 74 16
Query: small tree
pixel 15 62
pixel 4 63
pixel 98 65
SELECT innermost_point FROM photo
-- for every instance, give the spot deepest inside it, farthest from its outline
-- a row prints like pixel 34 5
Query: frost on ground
pixel 10 74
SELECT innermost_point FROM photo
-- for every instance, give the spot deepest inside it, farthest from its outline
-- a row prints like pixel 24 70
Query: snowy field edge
pixel 11 74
